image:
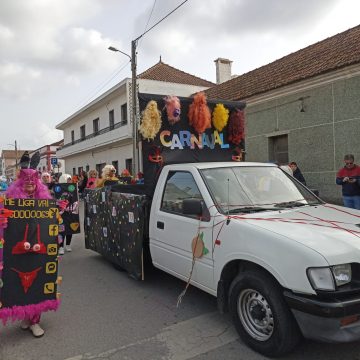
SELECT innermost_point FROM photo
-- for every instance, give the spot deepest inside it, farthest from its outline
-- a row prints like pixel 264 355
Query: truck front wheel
pixel 261 316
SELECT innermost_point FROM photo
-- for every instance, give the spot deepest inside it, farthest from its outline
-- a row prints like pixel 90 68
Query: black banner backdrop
pixel 114 225
pixel 71 221
pixel 29 276
pixel 172 141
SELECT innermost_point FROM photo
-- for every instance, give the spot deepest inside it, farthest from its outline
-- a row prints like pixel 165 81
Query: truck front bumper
pixel 326 320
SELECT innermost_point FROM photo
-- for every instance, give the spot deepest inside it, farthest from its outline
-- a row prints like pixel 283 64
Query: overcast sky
pixel 54 57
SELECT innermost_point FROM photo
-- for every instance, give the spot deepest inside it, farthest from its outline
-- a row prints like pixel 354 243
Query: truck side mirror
pixel 192 207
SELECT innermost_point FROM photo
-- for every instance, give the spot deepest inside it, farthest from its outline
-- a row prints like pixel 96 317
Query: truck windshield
pixel 249 189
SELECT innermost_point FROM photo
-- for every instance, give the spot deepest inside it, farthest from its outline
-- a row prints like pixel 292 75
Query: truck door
pixel 172 232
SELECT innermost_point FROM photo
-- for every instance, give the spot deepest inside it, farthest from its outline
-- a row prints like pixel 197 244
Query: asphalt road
pixel 107 315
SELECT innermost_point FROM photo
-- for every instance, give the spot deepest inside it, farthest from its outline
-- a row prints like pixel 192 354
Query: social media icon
pixel 50 267
pixel 49 288
pixel 52 249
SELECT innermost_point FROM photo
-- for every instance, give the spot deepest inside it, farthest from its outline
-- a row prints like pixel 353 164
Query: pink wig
pixel 16 189
pixel 172 104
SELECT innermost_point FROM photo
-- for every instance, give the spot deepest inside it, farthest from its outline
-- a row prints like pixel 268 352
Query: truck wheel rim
pixel 255 314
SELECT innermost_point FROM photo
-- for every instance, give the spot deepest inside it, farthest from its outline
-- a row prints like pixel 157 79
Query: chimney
pixel 223 70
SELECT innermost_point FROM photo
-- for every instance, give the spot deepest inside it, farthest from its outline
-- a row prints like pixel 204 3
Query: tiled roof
pixel 164 72
pixel 333 53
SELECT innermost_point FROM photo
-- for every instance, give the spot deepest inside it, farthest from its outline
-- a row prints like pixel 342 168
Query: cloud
pixel 208 25
pixel 46 135
pixel 42 39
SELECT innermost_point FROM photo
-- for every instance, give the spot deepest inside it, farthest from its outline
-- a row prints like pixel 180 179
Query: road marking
pixel 181 341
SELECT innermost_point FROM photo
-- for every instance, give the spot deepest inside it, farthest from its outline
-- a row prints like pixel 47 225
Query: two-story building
pixel 10 160
pixel 101 132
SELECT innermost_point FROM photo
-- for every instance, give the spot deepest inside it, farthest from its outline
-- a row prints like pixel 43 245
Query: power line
pixel 172 11
pixel 101 86
pixel 151 12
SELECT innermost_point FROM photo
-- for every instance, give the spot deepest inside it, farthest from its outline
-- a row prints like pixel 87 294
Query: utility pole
pixel 135 164
pixel 16 156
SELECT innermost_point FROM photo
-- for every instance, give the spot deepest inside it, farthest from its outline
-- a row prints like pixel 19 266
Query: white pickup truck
pixel 283 262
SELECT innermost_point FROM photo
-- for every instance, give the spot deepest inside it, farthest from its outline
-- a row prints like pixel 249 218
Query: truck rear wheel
pixel 260 314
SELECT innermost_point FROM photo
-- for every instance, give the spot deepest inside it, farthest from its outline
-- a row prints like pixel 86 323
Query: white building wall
pixel 105 156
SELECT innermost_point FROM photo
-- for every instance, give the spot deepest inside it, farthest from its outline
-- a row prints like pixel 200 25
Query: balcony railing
pixel 90 136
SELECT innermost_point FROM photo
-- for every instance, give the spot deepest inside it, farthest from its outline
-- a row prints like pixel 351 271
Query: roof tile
pixel 164 72
pixel 333 53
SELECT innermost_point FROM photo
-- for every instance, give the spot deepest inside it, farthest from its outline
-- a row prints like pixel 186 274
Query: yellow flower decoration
pixel 150 121
pixel 220 117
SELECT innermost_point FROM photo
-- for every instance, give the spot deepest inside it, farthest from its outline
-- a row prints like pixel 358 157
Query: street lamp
pixel 135 165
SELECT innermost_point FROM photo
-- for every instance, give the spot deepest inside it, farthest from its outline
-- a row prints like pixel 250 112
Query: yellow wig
pixel 220 117
pixel 150 121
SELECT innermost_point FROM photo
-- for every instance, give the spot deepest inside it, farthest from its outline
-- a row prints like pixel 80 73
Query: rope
pixel 182 294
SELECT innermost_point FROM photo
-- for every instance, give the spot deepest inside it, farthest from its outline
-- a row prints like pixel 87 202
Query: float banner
pixel 179 143
pixel 114 225
pixel 71 221
pixel 29 253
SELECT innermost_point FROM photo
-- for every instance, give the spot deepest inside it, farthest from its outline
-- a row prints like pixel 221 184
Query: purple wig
pixel 17 189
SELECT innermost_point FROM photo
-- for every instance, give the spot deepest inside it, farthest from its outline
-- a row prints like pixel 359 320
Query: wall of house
pixel 101 112
pixel 98 156
pixel 318 137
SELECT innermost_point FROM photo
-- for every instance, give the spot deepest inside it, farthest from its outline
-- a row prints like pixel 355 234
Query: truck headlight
pixel 326 278
pixel 342 274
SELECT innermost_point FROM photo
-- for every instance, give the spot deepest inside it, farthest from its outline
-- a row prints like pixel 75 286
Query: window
pixel 96 126
pixel 87 168
pixel 128 165
pixel 180 185
pixel 278 149
pixel 116 166
pixel 111 119
pixel 74 171
pixel 99 168
pixel 72 136
pixel 124 114
pixel 80 169
pixel 82 132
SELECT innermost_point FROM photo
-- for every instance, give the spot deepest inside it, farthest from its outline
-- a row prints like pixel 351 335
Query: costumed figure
pixel 65 178
pixel 28 185
pixel 125 177
pixel 47 180
pixel 92 179
pixel 107 175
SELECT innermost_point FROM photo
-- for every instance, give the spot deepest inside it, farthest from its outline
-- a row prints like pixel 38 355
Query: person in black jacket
pixel 297 173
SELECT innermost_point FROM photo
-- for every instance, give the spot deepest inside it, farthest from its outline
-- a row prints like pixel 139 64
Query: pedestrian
pixel 82 182
pixel 66 215
pixel 29 186
pixel 297 173
pixel 349 178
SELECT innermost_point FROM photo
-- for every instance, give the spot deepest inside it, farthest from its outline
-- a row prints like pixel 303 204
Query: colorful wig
pixel 17 189
pixel 199 113
pixel 220 117
pixel 173 110
pixel 151 121
pixel 236 129
pixel 108 172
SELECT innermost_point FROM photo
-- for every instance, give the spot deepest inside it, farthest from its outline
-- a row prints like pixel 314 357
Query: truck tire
pixel 261 315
